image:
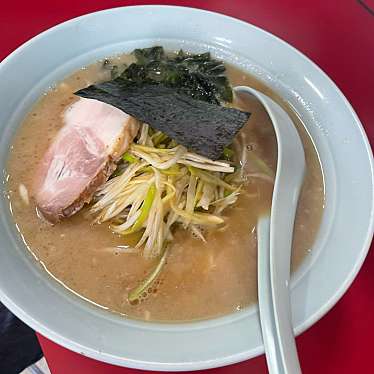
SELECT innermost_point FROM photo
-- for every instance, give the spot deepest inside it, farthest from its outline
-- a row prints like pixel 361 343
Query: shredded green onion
pixel 129 158
pixel 158 138
pixel 227 193
pixel 136 293
pixel 144 210
pixel 163 186
pixel 228 153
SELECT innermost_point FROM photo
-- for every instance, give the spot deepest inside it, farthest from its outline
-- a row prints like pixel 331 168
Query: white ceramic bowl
pixel 345 154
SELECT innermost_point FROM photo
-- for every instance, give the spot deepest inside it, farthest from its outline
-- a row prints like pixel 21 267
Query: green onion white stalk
pixel 164 185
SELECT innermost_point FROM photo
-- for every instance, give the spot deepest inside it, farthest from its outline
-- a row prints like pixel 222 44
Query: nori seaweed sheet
pixel 198 125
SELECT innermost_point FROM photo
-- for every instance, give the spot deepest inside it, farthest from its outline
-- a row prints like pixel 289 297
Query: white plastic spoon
pixel 274 235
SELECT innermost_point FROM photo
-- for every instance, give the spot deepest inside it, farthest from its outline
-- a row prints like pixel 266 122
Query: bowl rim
pixel 44 330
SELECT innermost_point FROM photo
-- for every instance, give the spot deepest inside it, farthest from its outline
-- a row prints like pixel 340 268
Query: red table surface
pixel 339 37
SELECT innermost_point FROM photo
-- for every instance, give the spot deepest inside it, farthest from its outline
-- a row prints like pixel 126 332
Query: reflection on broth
pixel 200 279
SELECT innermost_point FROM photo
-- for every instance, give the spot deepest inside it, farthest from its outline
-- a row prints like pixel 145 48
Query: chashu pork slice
pixel 81 157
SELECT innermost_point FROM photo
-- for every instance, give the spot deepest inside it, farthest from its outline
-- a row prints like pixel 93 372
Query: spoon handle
pixel 277 332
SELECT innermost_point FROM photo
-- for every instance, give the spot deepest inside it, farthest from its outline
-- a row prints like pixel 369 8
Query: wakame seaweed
pixel 196 75
pixel 198 125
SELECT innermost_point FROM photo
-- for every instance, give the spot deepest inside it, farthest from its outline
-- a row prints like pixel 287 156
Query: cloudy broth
pixel 200 280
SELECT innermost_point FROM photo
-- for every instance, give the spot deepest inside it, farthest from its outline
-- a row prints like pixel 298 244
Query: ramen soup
pixel 201 261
